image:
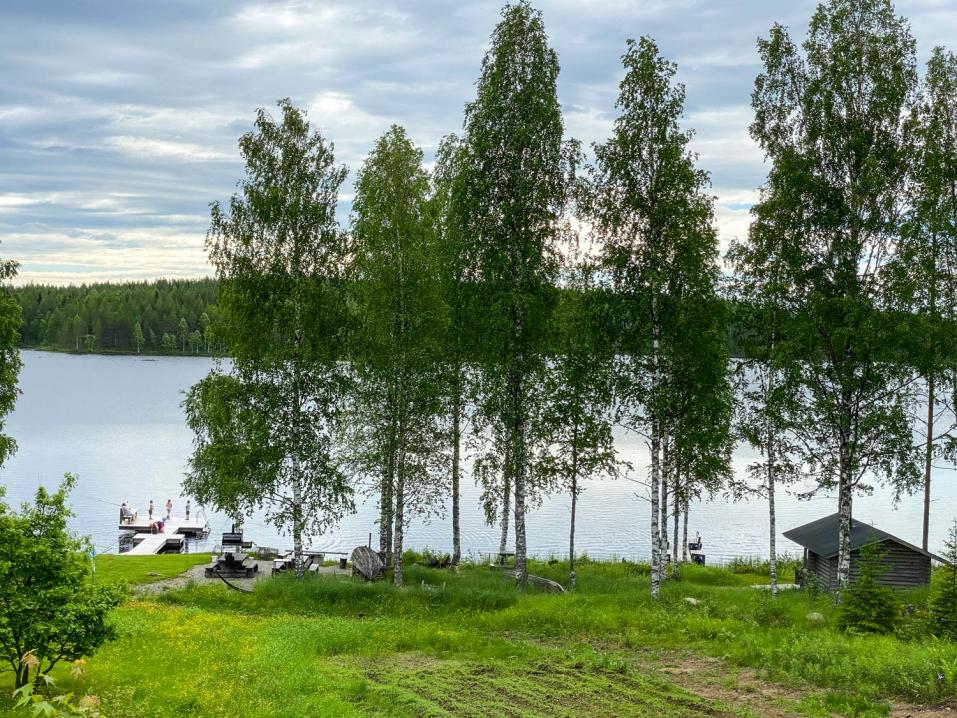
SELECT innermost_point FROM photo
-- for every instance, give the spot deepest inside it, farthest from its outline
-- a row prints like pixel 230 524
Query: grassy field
pixel 111 568
pixel 471 644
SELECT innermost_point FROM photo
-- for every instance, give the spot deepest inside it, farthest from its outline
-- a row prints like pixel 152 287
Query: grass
pixel 471 644
pixel 111 568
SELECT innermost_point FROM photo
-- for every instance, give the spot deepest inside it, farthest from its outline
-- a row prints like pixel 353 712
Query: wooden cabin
pixel 907 565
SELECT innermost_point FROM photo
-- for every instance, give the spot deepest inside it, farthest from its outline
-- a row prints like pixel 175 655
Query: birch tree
pixel 458 293
pixel 578 389
pixel 652 221
pixel 925 263
pixel 264 427
pixel 513 191
pixel 761 417
pixel 833 123
pixel 402 320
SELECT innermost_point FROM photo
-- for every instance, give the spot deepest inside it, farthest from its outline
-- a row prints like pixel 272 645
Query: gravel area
pixel 197 574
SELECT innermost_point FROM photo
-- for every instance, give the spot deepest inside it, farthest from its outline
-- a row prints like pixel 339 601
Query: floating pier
pixel 145 542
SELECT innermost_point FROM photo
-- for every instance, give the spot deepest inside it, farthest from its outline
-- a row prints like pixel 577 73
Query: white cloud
pixel 172 149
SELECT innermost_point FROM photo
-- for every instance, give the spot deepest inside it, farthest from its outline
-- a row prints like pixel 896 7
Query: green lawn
pixel 471 644
pixel 111 568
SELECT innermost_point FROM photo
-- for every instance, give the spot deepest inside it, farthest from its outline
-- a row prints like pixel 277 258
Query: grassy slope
pixel 471 645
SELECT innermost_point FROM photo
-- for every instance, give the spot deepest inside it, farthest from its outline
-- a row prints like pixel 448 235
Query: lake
pixel 116 422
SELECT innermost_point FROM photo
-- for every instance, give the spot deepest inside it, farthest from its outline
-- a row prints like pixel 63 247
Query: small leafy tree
pixel 867 606
pixel 943 602
pixel 29 698
pixel 183 331
pixel 138 339
pixel 49 609
pixel 195 341
pixel 11 322
pixel 577 418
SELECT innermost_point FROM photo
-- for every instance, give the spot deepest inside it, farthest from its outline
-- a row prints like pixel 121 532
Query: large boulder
pixel 366 563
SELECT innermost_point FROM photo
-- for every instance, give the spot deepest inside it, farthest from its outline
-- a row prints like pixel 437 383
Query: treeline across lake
pixel 157 317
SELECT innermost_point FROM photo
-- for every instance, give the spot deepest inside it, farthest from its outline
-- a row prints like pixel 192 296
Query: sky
pixel 119 121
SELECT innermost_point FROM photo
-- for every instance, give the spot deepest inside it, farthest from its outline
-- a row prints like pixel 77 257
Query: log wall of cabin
pixel 906 568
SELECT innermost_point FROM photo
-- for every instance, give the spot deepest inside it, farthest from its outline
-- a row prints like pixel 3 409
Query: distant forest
pixel 151 317
pixel 158 317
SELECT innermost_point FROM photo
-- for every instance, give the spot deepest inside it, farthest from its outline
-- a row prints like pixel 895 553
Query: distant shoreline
pixel 114 352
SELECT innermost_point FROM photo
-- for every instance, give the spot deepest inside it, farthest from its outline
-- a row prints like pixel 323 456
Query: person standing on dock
pixel 169 508
pixel 187 509
pixel 151 510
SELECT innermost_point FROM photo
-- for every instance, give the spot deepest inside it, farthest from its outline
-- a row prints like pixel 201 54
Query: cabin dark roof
pixel 821 537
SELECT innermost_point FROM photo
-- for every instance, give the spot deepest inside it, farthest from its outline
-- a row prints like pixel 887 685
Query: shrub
pixel 943 602
pixel 866 605
pixel 49 609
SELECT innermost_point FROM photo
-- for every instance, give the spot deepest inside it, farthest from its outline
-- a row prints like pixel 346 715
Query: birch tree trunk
pixel 519 477
pixel 506 502
pixel 297 519
pixel 574 487
pixel 844 524
pixel 655 538
pixel 928 458
pixel 931 397
pixel 656 428
pixel 684 535
pixel 399 502
pixel 666 471
pixel 456 441
pixel 386 508
pixel 677 521
pixel 772 520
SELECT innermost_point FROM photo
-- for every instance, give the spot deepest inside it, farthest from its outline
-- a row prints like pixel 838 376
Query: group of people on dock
pixel 128 514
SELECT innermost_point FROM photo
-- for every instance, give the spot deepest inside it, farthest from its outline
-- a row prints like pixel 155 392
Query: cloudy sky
pixel 119 120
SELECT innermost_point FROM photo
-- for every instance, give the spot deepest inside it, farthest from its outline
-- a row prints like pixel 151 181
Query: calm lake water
pixel 116 422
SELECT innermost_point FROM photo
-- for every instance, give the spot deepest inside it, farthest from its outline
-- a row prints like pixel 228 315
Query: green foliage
pixel 264 429
pixel 866 605
pixel 65 705
pixel 11 324
pixel 943 604
pixel 832 118
pixel 654 222
pixel 399 328
pixel 49 610
pixel 512 188
pixel 59 317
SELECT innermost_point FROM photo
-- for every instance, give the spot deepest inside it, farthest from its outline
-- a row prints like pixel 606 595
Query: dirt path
pixel 743 690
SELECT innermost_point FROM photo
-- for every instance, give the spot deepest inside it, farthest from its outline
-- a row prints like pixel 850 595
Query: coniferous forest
pixel 158 317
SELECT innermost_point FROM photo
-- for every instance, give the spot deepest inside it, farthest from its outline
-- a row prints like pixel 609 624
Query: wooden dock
pixel 174 533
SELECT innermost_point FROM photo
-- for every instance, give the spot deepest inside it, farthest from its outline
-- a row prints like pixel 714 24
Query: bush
pixel 943 602
pixel 866 605
pixel 49 609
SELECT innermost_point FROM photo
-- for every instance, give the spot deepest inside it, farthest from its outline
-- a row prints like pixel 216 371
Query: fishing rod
pixel 109 503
